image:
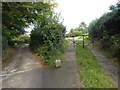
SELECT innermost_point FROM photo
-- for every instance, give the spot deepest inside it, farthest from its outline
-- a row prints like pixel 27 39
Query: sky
pixel 76 11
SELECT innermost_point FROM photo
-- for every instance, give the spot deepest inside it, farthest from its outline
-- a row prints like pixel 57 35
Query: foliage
pixel 22 39
pixel 107 30
pixel 91 73
pixel 48 34
pixel 81 29
pixel 18 15
pixel 47 38
pixel 51 39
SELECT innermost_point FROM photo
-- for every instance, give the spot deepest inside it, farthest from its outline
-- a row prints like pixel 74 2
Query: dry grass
pixel 7 55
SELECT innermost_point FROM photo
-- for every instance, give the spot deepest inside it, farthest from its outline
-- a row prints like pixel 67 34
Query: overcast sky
pixel 76 11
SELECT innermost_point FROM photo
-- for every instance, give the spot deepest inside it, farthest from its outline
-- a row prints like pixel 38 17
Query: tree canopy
pixel 16 16
pixel 46 38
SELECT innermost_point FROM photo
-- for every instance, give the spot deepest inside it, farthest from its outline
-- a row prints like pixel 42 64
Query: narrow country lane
pixel 21 70
pixel 23 60
pixel 25 72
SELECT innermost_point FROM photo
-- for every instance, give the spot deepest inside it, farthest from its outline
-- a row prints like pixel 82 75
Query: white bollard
pixel 58 63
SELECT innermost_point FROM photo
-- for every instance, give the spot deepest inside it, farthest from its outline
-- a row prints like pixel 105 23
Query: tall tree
pixel 18 15
pixel 82 26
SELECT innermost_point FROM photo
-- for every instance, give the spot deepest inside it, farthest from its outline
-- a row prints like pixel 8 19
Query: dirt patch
pixel 6 59
pixel 38 59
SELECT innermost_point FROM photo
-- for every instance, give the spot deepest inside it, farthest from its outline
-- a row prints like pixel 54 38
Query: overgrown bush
pixel 47 38
pixel 47 41
pixel 107 30
pixel 16 16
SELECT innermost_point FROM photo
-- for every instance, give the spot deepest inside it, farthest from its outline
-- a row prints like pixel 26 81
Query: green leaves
pixel 82 29
pixel 18 15
pixel 48 33
pixel 107 27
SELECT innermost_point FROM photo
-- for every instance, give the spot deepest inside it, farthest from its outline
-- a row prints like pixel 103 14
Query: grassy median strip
pixel 91 73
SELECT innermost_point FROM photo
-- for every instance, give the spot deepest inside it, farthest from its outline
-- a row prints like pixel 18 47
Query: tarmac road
pixel 25 72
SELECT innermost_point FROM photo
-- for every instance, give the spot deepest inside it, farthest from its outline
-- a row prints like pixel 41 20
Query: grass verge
pixel 107 54
pixel 50 58
pixel 91 73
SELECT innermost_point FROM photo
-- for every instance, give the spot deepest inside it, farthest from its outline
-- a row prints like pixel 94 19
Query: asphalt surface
pixel 25 72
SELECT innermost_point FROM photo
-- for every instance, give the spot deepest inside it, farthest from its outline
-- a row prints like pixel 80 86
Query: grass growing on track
pixel 91 73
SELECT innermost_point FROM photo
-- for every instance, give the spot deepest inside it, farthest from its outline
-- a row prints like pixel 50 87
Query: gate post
pixel 93 42
pixel 83 41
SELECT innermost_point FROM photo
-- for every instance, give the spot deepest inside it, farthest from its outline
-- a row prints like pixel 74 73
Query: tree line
pixel 80 30
pixel 106 30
